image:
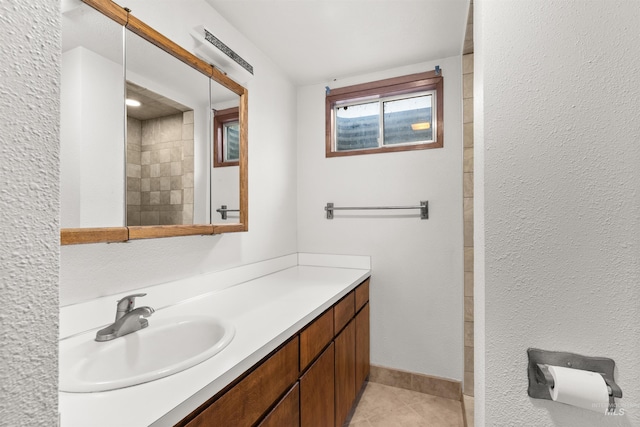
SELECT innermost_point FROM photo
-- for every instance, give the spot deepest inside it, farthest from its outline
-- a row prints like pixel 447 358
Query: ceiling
pixel 317 41
pixel 153 105
pixel 153 69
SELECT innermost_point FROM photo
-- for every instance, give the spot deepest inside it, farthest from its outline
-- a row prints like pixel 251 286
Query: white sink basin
pixel 165 347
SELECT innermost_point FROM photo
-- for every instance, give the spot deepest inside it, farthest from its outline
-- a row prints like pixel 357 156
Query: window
pixel 226 137
pixel 399 114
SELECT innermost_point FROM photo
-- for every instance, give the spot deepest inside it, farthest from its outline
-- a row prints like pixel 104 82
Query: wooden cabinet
pixel 317 405
pixel 362 294
pixel 250 399
pixel 343 311
pixel 311 381
pixel 352 350
pixel 362 333
pixel 345 372
pixel 287 411
pixel 362 345
pixel 315 337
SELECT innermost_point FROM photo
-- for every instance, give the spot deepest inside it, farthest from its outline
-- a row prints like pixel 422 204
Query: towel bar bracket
pixel 223 211
pixel 329 209
pixel 424 209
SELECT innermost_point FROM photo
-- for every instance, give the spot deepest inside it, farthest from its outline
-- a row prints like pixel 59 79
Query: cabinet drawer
pixel 247 401
pixel 362 294
pixel 286 412
pixel 315 337
pixel 343 311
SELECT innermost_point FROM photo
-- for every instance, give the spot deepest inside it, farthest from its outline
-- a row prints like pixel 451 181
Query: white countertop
pixel 265 312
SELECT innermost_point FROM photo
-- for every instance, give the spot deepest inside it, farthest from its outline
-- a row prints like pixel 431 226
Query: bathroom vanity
pixel 318 372
pixel 299 355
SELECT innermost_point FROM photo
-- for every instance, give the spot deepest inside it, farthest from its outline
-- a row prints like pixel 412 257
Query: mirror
pixel 91 120
pixel 168 135
pixel 225 176
pixel 144 170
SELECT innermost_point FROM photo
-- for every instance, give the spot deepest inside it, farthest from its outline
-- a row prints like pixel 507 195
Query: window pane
pixel 408 120
pixel 357 126
pixel 231 141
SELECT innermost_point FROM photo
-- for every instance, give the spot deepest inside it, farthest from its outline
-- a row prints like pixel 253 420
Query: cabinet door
pixel 345 372
pixel 317 392
pixel 343 311
pixel 287 411
pixel 245 403
pixel 362 346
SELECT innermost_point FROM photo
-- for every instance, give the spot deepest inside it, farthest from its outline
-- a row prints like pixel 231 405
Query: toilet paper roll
pixel 576 387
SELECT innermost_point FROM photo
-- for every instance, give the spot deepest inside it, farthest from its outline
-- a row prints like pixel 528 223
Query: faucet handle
pixel 126 304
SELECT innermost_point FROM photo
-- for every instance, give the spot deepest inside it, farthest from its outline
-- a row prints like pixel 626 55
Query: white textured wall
pixel 478 219
pixel 417 283
pixel 89 271
pixel 561 193
pixel 29 208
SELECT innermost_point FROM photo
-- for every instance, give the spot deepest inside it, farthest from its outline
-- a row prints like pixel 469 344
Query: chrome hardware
pixel 540 379
pixel 424 209
pixel 126 304
pixel 223 211
pixel 128 319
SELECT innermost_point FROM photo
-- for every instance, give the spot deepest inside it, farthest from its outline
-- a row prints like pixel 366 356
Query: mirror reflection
pixel 225 175
pixel 91 120
pixel 167 134
pixel 159 159
pixel 150 162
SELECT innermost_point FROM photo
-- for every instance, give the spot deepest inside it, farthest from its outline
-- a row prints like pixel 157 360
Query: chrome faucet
pixel 128 319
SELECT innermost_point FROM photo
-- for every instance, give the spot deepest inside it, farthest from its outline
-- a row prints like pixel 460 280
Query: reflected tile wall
pixel 186 167
pixel 134 171
pixel 160 170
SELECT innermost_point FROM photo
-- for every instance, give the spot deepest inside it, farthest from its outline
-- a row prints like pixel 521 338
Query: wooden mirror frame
pixel 72 236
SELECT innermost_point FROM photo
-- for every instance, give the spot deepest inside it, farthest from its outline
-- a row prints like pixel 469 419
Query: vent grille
pixel 227 51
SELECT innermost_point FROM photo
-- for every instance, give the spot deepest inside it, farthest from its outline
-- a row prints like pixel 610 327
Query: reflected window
pixel 231 141
pixel 226 137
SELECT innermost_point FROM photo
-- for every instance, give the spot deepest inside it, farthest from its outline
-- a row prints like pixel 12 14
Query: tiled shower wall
pixel 134 143
pixel 164 194
pixel 467 93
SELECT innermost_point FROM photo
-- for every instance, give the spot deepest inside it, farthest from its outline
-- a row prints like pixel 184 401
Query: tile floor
pixel 385 406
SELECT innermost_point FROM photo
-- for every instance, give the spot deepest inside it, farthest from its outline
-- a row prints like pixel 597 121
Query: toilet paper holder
pixel 540 379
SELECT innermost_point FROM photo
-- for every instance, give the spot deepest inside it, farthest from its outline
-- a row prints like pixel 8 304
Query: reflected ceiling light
pixel 132 103
pixel 421 126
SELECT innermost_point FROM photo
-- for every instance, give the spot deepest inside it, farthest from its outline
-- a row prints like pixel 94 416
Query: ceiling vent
pixel 214 51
